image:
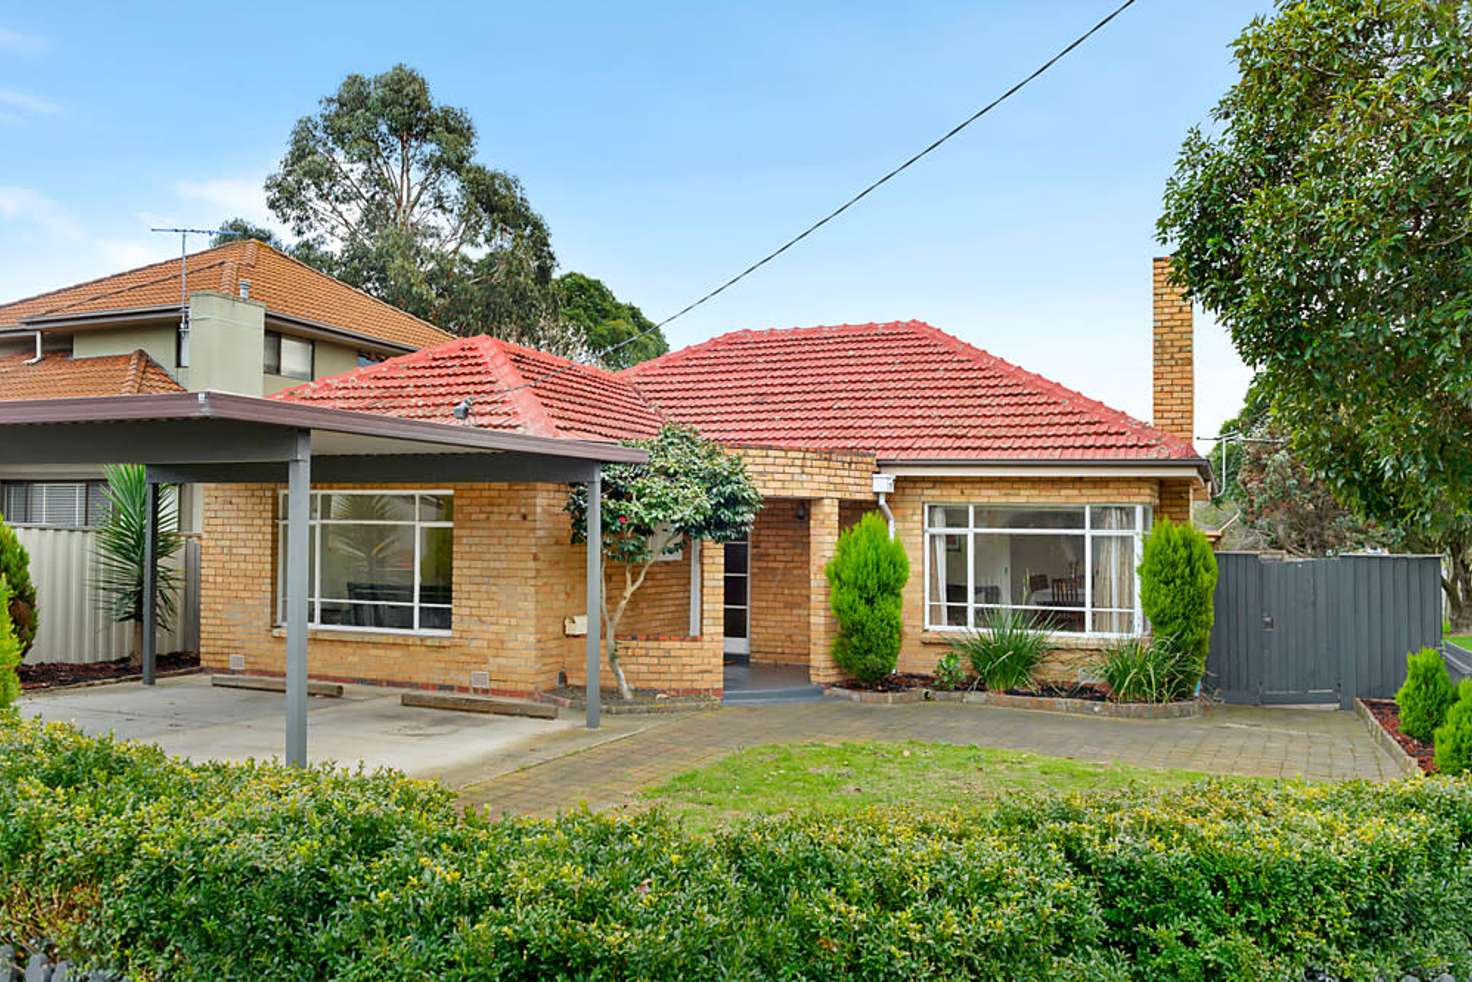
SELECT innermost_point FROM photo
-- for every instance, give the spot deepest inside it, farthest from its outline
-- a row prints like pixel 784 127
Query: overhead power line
pixel 462 410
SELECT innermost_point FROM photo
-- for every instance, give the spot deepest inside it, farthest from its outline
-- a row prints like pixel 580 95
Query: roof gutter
pixel 1062 467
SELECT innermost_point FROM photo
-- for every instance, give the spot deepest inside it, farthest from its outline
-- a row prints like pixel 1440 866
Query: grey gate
pixel 1320 630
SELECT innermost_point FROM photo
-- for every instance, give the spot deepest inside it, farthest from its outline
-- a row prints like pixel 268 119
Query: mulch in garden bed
pixel 1387 714
pixel 51 674
pixel 905 681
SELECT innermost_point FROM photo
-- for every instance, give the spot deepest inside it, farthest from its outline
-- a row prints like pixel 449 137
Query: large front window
pixel 376 560
pixel 1071 568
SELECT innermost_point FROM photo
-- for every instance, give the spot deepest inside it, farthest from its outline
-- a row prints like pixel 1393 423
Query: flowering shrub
pixel 166 870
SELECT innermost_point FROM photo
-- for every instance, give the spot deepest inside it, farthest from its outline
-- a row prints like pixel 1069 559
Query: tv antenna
pixel 184 234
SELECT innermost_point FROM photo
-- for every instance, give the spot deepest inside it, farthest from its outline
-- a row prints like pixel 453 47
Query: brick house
pixel 1006 489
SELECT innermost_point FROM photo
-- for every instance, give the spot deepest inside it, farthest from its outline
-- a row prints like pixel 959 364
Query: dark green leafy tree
pixel 1426 694
pixel 1177 579
pixel 1326 219
pixel 120 552
pixel 382 188
pixel 866 579
pixel 689 489
pixel 236 229
pixel 1280 503
pixel 15 566
pixel 608 322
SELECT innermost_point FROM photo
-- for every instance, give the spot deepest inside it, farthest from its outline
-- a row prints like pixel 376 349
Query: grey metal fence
pixel 1320 630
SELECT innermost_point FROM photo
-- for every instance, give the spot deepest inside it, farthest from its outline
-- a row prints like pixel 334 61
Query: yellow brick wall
pixel 661 604
pixel 1173 345
pixel 779 583
pixel 809 473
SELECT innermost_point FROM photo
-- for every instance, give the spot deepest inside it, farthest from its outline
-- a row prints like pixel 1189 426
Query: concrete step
pixel 478 704
pixel 798 693
pixel 268 683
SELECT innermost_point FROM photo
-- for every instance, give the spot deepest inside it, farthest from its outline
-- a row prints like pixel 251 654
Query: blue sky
pixel 668 146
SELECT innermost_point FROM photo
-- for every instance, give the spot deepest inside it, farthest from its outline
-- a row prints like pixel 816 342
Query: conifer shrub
pixel 15 566
pixel 10 653
pixel 1177 579
pixel 866 577
pixel 1425 696
pixel 1454 737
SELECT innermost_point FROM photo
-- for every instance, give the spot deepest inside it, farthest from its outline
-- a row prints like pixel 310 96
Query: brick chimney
pixel 1173 406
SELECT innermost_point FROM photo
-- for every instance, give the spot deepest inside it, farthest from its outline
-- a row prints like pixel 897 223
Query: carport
pixel 216 437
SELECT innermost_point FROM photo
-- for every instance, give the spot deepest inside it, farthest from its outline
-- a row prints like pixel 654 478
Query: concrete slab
pixel 190 718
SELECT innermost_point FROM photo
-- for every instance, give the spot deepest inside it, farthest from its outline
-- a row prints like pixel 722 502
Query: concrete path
pixel 190 718
pixel 1313 744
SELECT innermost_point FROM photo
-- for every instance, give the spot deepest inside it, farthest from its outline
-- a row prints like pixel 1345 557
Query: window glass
pixel 367 507
pixel 436 508
pixel 381 566
pixel 1029 518
pixel 1112 517
pixel 271 354
pixel 296 358
pixel 949 517
pixel 1043 561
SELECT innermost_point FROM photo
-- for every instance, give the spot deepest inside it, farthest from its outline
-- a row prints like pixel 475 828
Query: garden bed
pixel 1382 716
pixel 1080 698
pixel 53 675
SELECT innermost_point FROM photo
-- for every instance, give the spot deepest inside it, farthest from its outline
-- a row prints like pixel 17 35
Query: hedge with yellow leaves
pixel 127 859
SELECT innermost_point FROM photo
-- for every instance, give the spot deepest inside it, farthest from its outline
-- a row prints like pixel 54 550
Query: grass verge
pixel 845 778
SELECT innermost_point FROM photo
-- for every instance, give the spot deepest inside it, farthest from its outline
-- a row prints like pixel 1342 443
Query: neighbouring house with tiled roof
pixel 1007 491
pixel 253 321
pixel 250 320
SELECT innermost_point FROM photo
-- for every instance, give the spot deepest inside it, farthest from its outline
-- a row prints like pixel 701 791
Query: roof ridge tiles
pixel 517 391
pixel 106 276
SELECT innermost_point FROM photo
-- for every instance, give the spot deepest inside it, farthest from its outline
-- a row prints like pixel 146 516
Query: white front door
pixel 738 596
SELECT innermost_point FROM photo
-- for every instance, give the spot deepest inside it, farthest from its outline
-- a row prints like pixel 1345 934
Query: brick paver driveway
pixel 1313 744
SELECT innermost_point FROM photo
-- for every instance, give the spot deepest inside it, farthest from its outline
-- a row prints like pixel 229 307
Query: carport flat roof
pixel 133 424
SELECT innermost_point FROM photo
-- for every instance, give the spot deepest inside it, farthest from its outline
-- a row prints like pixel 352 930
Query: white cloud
pixel 21 43
pixel 17 106
pixel 29 206
pixel 230 198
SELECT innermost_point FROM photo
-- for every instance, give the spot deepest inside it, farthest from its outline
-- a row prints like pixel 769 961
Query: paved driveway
pixel 189 717
pixel 1313 744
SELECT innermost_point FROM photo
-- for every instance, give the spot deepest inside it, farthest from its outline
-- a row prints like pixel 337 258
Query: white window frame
pixel 314 593
pixel 1143 518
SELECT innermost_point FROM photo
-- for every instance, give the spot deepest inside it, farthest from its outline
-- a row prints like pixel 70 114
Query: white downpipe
pixel 37 357
pixel 888 515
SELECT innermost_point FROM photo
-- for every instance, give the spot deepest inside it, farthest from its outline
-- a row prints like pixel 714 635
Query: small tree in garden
pixel 10 653
pixel 1426 695
pixel 689 489
pixel 1177 578
pixel 865 576
pixel 15 566
pixel 120 552
pixel 1454 737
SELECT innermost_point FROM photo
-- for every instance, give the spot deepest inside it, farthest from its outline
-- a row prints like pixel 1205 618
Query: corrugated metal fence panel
pixel 72 627
pixel 1308 630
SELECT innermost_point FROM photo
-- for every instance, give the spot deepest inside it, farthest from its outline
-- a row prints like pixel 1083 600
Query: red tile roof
pixel 902 390
pixel 287 287
pixel 514 388
pixel 58 376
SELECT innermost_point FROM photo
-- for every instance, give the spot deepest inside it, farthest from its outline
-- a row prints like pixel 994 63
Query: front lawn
pixel 837 779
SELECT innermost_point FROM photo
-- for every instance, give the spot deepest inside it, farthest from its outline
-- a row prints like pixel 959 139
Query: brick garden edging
pixel 1406 763
pixel 614 706
pixel 1044 704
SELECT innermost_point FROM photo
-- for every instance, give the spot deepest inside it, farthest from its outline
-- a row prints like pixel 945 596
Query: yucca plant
pixel 1137 670
pixel 1006 651
pixel 118 581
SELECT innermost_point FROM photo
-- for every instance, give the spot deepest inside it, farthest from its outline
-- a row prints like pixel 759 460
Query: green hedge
pixel 167 870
